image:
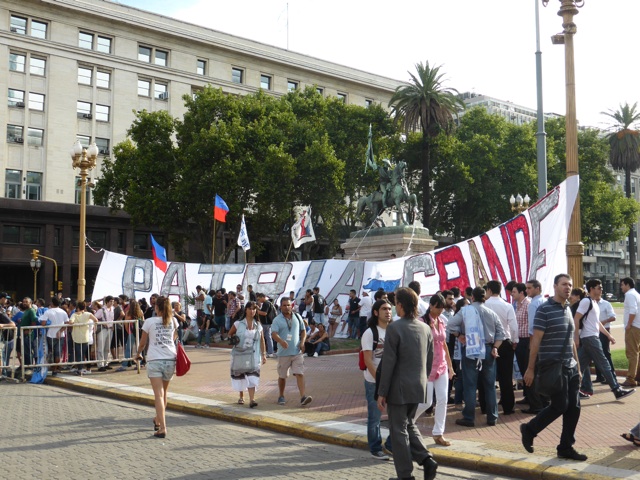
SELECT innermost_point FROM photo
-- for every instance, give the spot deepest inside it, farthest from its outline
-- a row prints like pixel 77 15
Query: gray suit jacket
pixel 406 362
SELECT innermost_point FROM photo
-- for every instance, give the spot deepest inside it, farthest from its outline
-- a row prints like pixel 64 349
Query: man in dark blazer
pixel 406 363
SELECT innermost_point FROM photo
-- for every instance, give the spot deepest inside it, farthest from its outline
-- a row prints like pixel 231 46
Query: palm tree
pixel 426 104
pixel 625 155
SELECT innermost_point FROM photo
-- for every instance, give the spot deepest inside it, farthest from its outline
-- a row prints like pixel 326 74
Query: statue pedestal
pixel 380 243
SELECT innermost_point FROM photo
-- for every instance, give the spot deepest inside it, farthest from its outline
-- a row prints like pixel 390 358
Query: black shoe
pixel 510 412
pixel 571 454
pixel 530 411
pixel 620 393
pixel 450 401
pixel 583 395
pixel 430 466
pixel 524 401
pixel 102 369
pixel 600 380
pixel 527 438
pixel 465 423
pixel 492 423
pixel 108 367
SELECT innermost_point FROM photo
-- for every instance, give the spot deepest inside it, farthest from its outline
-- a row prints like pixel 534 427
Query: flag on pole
pixel 243 237
pixel 302 230
pixel 220 210
pixel 159 255
pixel 370 159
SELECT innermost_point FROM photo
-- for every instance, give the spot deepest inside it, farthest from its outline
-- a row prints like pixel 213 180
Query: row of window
pixel 15 134
pixel 86 110
pixel 13 185
pixel 101 143
pixel 86 74
pixel 16 99
pixel 18 63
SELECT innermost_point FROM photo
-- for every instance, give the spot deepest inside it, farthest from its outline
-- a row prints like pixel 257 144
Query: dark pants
pixel 504 374
pixel 362 326
pixel 406 439
pixel 81 352
pixel 566 404
pixel 486 380
pixel 606 349
pixel 522 356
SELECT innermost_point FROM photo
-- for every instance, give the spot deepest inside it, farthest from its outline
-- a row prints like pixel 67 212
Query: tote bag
pixel 183 364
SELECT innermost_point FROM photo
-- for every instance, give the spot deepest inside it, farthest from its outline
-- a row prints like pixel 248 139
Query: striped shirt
pixel 522 317
pixel 555 321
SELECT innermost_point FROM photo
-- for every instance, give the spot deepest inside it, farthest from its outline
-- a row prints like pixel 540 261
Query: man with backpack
pixel 481 334
pixel 372 343
pixel 266 313
pixel 319 304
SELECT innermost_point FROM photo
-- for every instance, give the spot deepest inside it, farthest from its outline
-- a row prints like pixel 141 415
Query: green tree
pixel 624 155
pixel 427 104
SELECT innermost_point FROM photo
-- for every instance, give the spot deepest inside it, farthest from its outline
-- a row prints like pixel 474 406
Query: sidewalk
pixel 338 415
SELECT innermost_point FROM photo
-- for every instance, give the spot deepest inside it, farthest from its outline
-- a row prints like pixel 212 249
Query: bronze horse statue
pixel 397 194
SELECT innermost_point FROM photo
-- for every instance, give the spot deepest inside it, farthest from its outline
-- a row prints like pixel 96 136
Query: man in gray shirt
pixel 485 369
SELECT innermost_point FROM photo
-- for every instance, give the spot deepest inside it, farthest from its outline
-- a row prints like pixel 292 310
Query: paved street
pixel 52 433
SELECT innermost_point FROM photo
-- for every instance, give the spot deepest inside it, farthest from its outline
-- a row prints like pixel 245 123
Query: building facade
pixel 77 70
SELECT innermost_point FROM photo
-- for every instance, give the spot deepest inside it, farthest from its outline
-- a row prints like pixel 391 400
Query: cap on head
pixel 4 295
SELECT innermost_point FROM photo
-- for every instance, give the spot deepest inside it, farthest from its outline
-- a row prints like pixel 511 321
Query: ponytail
pixel 163 306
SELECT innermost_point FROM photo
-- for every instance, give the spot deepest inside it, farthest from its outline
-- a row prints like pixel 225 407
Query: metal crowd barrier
pixel 31 344
pixel 9 360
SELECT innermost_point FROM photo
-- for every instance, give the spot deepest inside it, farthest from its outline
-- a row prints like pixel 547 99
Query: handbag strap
pixel 566 341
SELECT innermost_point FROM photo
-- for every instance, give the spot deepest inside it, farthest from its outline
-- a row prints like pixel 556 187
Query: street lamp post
pixel 85 160
pixel 519 204
pixel 575 247
pixel 35 266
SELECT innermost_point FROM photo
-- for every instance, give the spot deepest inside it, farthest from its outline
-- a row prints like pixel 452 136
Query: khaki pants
pixel 632 346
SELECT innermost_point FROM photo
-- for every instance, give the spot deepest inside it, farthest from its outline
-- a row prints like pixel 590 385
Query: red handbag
pixel 183 364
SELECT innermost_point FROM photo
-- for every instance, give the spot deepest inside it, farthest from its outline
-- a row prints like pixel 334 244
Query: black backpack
pixel 271 312
pixel 574 310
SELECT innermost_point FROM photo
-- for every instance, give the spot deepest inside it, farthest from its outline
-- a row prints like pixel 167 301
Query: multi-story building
pixel 510 111
pixel 76 70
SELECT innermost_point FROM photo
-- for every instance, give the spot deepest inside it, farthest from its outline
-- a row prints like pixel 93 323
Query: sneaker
pixel 379 456
pixel 584 395
pixel 315 354
pixel 108 367
pixel 630 383
pixel 85 372
pixel 281 401
pixel 206 346
pixel 73 370
pixel 306 400
pixel 102 369
pixel 620 393
pixel 387 450
pixel 571 454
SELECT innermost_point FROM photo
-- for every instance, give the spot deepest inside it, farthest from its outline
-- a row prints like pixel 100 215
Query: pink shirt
pixel 439 366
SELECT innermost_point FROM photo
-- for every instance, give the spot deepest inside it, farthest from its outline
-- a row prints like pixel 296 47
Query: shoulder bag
pixel 183 364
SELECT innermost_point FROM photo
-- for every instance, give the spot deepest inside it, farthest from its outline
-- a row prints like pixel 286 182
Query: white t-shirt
pixel 367 344
pixel 591 321
pixel 365 306
pixel 161 346
pixel 57 317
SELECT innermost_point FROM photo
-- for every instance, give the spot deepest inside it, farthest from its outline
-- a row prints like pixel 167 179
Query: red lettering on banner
pixel 512 227
pixel 446 257
pixel 496 270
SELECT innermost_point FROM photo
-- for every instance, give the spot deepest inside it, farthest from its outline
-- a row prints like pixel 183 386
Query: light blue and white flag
pixel 243 237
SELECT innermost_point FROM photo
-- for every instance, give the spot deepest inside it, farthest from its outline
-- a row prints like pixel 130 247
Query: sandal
pixel 440 440
pixel 241 401
pixel 629 437
pixel 253 404
pixel 156 426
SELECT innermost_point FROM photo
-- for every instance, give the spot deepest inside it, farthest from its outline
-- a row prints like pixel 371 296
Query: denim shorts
pixel 161 369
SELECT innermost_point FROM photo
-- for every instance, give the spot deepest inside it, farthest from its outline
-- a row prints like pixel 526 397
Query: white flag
pixel 243 237
pixel 302 230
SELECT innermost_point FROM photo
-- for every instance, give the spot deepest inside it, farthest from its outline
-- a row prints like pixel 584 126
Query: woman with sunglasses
pixel 249 352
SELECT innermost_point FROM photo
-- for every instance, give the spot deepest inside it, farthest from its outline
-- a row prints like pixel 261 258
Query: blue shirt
pixel 531 311
pixel 289 331
pixel 606 312
pixel 555 321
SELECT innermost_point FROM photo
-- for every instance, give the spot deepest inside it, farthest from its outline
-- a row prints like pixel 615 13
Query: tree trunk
pixel 632 243
pixel 426 181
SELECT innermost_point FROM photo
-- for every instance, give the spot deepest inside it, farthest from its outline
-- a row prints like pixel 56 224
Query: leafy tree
pixel 426 104
pixel 625 155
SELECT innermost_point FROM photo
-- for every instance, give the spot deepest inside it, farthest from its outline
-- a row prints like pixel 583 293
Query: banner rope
pixel 355 252
pixel 413 232
pixel 86 242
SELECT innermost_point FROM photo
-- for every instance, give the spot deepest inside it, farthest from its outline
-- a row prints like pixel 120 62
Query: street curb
pixel 480 463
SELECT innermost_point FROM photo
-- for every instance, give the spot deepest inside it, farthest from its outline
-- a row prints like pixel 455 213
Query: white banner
pixel 531 245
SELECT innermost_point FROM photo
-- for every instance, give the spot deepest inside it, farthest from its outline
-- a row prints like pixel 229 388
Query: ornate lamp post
pixel 575 247
pixel 519 204
pixel 35 263
pixel 85 160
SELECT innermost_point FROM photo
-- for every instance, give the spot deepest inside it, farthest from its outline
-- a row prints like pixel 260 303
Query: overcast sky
pixel 484 46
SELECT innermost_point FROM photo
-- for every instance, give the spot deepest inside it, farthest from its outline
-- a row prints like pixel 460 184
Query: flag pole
pixel 213 245
pixel 290 245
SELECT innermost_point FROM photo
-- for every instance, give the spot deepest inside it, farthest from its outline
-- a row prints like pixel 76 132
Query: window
pixel 37 66
pixel 85 40
pixel 162 58
pixel 103 79
pixel 144 54
pixel 84 75
pixel 140 241
pixel 237 75
pixel 17 62
pixel 36 102
pixel 38 29
pixel 83 110
pixel 104 44
pixel 103 146
pixel 31 235
pixel 97 238
pixel 367 102
pixel 122 239
pixel 18 25
pixel 78 193
pixel 14 134
pixel 291 86
pixel 265 82
pixel 84 140
pixel 57 234
pixel 35 137
pixel 144 88
pixel 102 113
pixel 12 183
pixel 34 185
pixel 16 98
pixel 160 91
pixel 201 67
pixel 11 234
pixel 320 90
pixel 342 97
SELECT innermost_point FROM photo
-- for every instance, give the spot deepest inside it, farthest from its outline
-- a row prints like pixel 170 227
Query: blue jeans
pixel 591 349
pixel 353 326
pixel 487 376
pixel 322 347
pixel 266 331
pixel 6 352
pixel 127 349
pixel 458 383
pixel 373 421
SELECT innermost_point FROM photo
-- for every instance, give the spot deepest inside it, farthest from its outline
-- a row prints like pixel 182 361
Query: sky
pixel 487 47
